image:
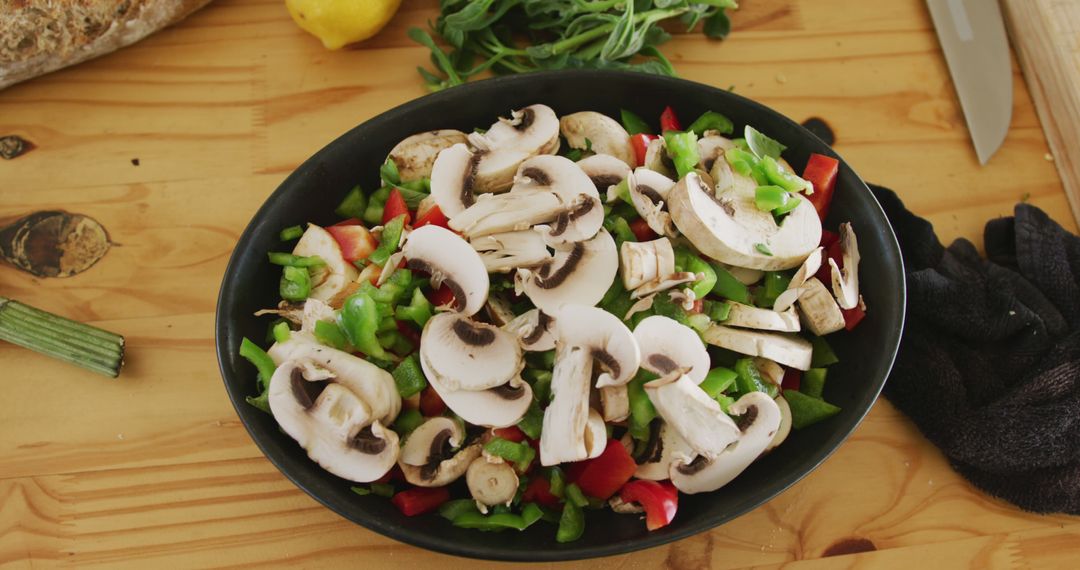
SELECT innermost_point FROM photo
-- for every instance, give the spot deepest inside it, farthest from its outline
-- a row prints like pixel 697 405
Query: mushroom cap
pixel 491 481
pixel 415 154
pixel 579 274
pixel 786 349
pixel 664 447
pixel 751 317
pixel 441 470
pixel 506 251
pixel 603 336
pixel 332 278
pixel 373 385
pixel 704 474
pixel 498 407
pixel 332 423
pixel 469 355
pixel 667 346
pixel 430 439
pixel 604 170
pixel 532 330
pixel 691 412
pixel 532 130
pixel 729 227
pixel 451 261
pixel 604 134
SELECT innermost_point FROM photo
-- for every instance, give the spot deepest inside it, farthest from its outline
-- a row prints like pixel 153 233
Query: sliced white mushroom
pixel 685 298
pixel 784 430
pixel 604 170
pixel 645 261
pixel 769 370
pixel 332 422
pixel 745 275
pixel 415 155
pixel 506 251
pixel 818 308
pixel 444 466
pixel 624 508
pixel 450 261
pixel 315 311
pixel 585 337
pixel 437 437
pixel 751 317
pixel 759 420
pixel 795 287
pixel 668 282
pixel 469 355
pixel 615 403
pixel 595 434
pixel 389 268
pixel 846 281
pixel 665 446
pixel 459 174
pixel 730 228
pixel 498 407
pixel 532 330
pixel 373 385
pixel 657 159
pixel 598 132
pixel 691 412
pixel 509 212
pixel 498 311
pixel 667 346
pixel 580 274
pixel 711 148
pixel 786 349
pixel 643 304
pixel 491 481
pixel 648 193
pixel 532 130
pixel 335 275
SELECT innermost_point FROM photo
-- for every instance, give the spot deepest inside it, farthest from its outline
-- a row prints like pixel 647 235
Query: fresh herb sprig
pixel 519 36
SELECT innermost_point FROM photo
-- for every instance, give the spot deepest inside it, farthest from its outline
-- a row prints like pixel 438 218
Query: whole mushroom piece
pixel 431 456
pixel 600 133
pixel 415 155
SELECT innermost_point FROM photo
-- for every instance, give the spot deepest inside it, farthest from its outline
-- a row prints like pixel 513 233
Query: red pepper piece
pixel 410 332
pixel 641 230
pixel 821 172
pixel 441 296
pixel 433 217
pixel 348 222
pixel 539 491
pixel 699 306
pixel 355 241
pixel 660 500
pixel 828 238
pixel 420 500
pixel 640 143
pixel 601 477
pixel 792 379
pixel 394 474
pixel 834 252
pixel 668 120
pixel 852 317
pixel 512 433
pixel 430 403
pixel 396 206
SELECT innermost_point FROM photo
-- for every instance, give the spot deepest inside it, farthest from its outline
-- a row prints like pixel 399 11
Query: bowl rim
pixel 567 552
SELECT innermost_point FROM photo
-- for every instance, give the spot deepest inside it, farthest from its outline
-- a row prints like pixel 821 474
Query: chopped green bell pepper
pixel 682 148
pixel 813 382
pixel 295 283
pixel 290 260
pixel 353 205
pixel 823 354
pixel 762 145
pixel 711 121
pixel 633 123
pixel 807 410
pixel 728 287
pixel 571 523
pixel 718 380
pixel 388 241
pixel 290 233
pixel 418 310
pixel 750 380
pixel 408 377
pixel 359 319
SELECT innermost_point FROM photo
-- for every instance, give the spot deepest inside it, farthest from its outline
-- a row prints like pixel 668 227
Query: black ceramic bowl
pixel 312 192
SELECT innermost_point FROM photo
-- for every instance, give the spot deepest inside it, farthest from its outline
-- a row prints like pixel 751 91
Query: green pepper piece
pixel 762 145
pixel 521 454
pixel 711 121
pixel 728 287
pixel 295 283
pixel 451 510
pixel 418 310
pixel 807 410
pixel 619 229
pixel 750 380
pixel 360 320
pixel 407 421
pixel 718 310
pixel 408 377
pixel 779 176
pixel 353 205
pixel 775 283
pixel 497 522
pixel 823 354
pixel 703 286
pixel 792 203
pixel 813 382
pixel 556 482
pixel 530 513
pixel 571 523
pixel 532 422
pixel 725 402
pixel 281 332
pixel 617 300
pixel 634 124
pixel 541 383
pixel 642 411
pixel 575 496
pixel 388 241
pixel 376 204
pixel 290 233
pixel 622 190
pixel 382 490
pixel 682 147
pixel 769 198
pixel 330 334
pixel 663 305
pixel 290 260
pixel 718 380
pixel 362 491
pixel 389 174
pixel 741 161
pixel 262 361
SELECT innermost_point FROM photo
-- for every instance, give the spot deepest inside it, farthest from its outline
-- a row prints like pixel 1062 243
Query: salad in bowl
pixel 550 315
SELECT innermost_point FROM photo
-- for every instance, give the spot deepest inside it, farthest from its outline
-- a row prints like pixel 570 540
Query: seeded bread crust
pixel 39 36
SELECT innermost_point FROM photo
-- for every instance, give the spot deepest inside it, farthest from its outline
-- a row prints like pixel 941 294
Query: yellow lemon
pixel 341 22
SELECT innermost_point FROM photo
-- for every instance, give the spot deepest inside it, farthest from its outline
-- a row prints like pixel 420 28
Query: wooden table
pixel 154 469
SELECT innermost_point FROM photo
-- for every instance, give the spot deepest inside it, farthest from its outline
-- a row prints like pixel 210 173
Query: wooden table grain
pixel 174 143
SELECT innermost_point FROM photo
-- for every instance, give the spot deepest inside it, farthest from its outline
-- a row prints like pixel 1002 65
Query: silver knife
pixel 972 34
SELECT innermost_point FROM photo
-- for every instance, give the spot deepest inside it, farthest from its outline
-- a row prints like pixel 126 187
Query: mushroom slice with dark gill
pixel 605 171
pixel 532 130
pixel 649 193
pixel 450 261
pixel 691 412
pixel 468 354
pixel 459 175
pixel 664 447
pixel 758 420
pixel 497 407
pixel 507 251
pixel 532 328
pixel 431 456
pixel 579 274
pixel 667 346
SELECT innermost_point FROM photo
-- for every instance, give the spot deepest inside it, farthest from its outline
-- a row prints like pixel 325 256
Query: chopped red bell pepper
pixel 431 404
pixel 828 238
pixel 834 252
pixel 396 206
pixel 539 491
pixel 792 379
pixel 602 476
pixel 512 433
pixel 852 317
pixel 420 500
pixel 640 143
pixel 355 241
pixel 434 217
pixel 699 306
pixel 348 222
pixel 441 297
pixel 409 331
pixel 821 172
pixel 668 120
pixel 660 500
pixel 641 230
pixel 394 474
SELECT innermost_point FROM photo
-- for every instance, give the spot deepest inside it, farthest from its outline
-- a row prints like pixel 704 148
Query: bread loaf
pixel 39 36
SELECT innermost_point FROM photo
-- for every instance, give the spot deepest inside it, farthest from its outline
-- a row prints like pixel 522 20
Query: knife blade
pixel 972 34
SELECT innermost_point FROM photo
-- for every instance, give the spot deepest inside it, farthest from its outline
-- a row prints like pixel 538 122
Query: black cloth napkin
pixel 989 364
